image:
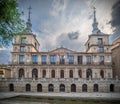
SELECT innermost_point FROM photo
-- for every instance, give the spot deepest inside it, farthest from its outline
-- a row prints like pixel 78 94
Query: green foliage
pixel 10 21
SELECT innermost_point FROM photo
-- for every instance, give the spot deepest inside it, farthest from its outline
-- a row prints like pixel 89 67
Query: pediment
pixel 62 50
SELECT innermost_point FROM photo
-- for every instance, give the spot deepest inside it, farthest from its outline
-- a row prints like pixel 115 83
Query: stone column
pixel 39 59
pixel 75 59
pixel 84 73
pixel 75 73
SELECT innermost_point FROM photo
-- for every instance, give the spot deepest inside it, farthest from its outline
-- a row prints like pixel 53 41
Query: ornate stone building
pixel 116 58
pixel 61 69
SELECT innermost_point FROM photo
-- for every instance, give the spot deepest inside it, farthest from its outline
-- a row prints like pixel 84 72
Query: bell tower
pixel 25 44
pixel 97 42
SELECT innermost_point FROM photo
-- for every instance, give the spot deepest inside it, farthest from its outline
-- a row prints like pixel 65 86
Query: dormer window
pixel 100 41
pixel 23 39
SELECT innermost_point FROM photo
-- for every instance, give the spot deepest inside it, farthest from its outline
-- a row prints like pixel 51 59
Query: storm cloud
pixel 68 22
pixel 115 22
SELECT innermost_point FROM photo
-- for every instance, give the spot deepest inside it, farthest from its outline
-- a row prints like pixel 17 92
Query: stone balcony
pixel 64 64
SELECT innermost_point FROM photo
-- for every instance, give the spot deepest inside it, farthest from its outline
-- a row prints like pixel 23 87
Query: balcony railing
pixel 65 63
pixel 108 80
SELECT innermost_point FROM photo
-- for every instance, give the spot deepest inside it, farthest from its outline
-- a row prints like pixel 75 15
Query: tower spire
pixel 29 25
pixel 95 24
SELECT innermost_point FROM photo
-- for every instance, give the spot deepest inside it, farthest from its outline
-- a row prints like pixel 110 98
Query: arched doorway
pixel 95 88
pixel 73 88
pixel 50 87
pixel 53 73
pixel 88 73
pixel 21 73
pixel 62 74
pixel 11 87
pixel 39 88
pixel 71 73
pixel 102 74
pixel 28 87
pixel 84 88
pixel 62 88
pixel 111 87
pixel 35 73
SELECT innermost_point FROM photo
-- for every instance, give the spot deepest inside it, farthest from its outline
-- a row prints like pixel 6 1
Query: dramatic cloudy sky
pixel 69 22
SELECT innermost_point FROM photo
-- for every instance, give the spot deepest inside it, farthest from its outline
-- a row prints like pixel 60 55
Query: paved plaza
pixel 70 95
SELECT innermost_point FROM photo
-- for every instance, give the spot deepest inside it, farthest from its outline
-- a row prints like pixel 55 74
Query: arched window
pixel 11 87
pixel 44 73
pixel 89 73
pixel 35 73
pixel 111 87
pixel 28 87
pixel 53 73
pixel 21 73
pixel 62 74
pixel 71 73
pixel 39 88
pixel 73 88
pixel 95 88
pixel 84 88
pixel 102 74
pixel 80 73
pixel 62 88
pixel 50 88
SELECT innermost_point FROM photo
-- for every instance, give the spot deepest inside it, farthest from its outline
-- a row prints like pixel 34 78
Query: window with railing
pixel 100 49
pixel 101 60
pixel 62 74
pixel 34 59
pixel 44 73
pixel 21 59
pixel 44 59
pixel 52 59
pixel 62 59
pixel 71 59
pixel 88 60
pixel 79 58
pixel 22 48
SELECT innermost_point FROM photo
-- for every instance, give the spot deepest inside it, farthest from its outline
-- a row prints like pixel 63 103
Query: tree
pixel 10 21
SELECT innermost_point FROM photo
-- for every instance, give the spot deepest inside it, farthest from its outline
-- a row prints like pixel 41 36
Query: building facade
pixel 116 58
pixel 61 69
pixel 5 71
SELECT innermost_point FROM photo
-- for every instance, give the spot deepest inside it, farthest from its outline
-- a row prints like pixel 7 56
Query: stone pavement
pixel 71 95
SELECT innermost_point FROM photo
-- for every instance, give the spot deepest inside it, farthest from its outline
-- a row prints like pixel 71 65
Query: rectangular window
pixel 101 60
pixel 88 61
pixel 71 59
pixel 34 59
pixel 22 48
pixel 62 59
pixel 79 59
pixel 53 59
pixel 21 59
pixel 100 41
pixel 100 49
pixel 23 39
pixel 44 59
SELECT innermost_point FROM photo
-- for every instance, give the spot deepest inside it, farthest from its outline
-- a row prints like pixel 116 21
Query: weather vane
pixel 29 11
